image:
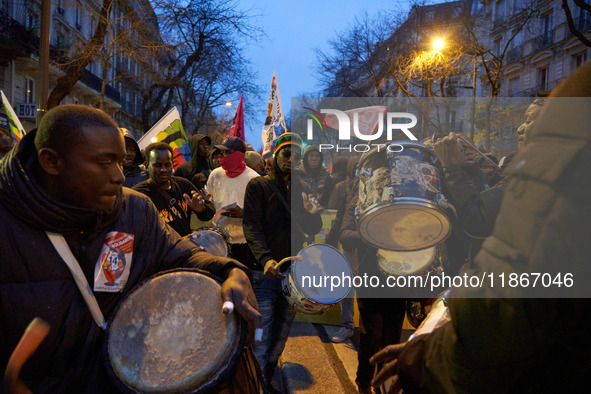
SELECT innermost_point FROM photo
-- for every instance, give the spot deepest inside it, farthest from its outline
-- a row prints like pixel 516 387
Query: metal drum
pixel 170 335
pixel 305 286
pixel 399 194
pixel 213 240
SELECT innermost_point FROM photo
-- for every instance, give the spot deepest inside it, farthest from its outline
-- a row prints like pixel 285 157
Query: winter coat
pixel 35 281
pixel 191 170
pixel 315 181
pixel 267 223
pixel 137 172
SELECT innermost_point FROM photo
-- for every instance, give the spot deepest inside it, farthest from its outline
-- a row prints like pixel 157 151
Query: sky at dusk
pixel 294 28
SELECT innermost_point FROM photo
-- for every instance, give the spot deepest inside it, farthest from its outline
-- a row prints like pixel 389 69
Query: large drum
pixel 399 195
pixel 170 335
pixel 310 285
pixel 214 240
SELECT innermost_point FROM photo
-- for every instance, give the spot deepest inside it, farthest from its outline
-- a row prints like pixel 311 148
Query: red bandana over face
pixel 233 164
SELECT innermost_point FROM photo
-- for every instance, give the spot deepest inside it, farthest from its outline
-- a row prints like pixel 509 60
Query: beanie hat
pixel 288 139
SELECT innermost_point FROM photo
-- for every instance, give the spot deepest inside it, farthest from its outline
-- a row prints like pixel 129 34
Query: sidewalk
pixel 311 363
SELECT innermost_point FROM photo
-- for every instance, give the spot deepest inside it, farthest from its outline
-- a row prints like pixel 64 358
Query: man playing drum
pixel 271 204
pixel 66 178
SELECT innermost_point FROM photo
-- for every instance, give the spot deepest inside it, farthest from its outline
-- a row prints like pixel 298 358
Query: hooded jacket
pixel 137 172
pixel 316 181
pixel 198 165
pixel 35 281
pixel 267 222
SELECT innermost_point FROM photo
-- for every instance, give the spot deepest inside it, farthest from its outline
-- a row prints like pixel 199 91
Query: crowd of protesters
pixel 69 182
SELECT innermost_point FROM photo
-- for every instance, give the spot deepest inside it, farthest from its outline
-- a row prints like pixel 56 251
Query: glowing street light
pixel 228 103
pixel 438 44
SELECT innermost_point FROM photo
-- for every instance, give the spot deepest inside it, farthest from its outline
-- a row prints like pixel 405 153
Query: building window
pixel 29 91
pixel 78 15
pixel 500 8
pixel 543 78
pixel 32 22
pixel 547 24
pixel 513 86
pixel 497 46
pixel 579 59
pixel 429 16
pixel 457 11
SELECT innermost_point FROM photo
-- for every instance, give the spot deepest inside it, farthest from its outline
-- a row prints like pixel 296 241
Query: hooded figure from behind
pixel 197 170
pixel 315 178
pixel 133 165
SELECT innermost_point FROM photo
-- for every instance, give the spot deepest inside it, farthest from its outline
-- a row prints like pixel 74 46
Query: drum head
pixel 320 261
pixel 169 334
pixel 405 225
pixel 210 241
pixel 405 263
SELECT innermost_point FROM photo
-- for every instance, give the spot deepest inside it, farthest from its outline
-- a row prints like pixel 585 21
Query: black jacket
pixel 178 214
pixel 267 222
pixel 137 172
pixel 190 170
pixel 35 281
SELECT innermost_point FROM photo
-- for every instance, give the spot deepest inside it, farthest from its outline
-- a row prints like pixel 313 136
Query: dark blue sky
pixel 294 28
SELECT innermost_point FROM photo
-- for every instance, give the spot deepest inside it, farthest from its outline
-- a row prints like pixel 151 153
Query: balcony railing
pixel 514 54
pixel 545 40
pixel 26 43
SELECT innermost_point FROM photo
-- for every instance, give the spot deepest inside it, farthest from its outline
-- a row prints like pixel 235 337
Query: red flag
pixel 237 129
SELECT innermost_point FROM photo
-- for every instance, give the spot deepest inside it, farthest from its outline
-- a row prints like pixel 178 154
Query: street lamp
pixel 438 44
pixel 228 104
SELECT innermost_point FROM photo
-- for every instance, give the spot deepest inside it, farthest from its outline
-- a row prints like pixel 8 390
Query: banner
pixel 16 128
pixel 170 130
pixel 367 122
pixel 275 119
pixel 237 129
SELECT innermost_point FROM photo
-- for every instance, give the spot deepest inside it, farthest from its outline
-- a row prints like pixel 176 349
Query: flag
pixel 274 119
pixel 170 130
pixel 16 128
pixel 429 141
pixel 237 129
pixel 368 119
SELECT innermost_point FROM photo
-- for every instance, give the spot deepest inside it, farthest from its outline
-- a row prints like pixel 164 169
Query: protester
pixel 213 158
pixel 255 161
pixel 270 209
pixel 380 315
pixel 66 178
pixel 344 189
pixel 174 197
pixel 227 185
pixel 269 165
pixel 5 144
pixel 197 170
pixel 500 342
pixel 316 179
pixel 133 165
pixel 339 174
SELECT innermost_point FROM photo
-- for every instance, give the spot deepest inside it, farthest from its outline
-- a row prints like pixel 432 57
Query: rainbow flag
pixel 16 128
pixel 169 129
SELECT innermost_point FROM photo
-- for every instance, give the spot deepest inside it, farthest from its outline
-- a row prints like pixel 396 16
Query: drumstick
pixel 471 145
pixel 285 260
pixel 30 341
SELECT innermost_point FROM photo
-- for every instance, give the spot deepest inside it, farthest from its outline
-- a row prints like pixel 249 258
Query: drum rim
pixel 383 270
pixel 411 201
pixel 222 231
pixel 344 258
pixel 205 388
pixel 373 151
